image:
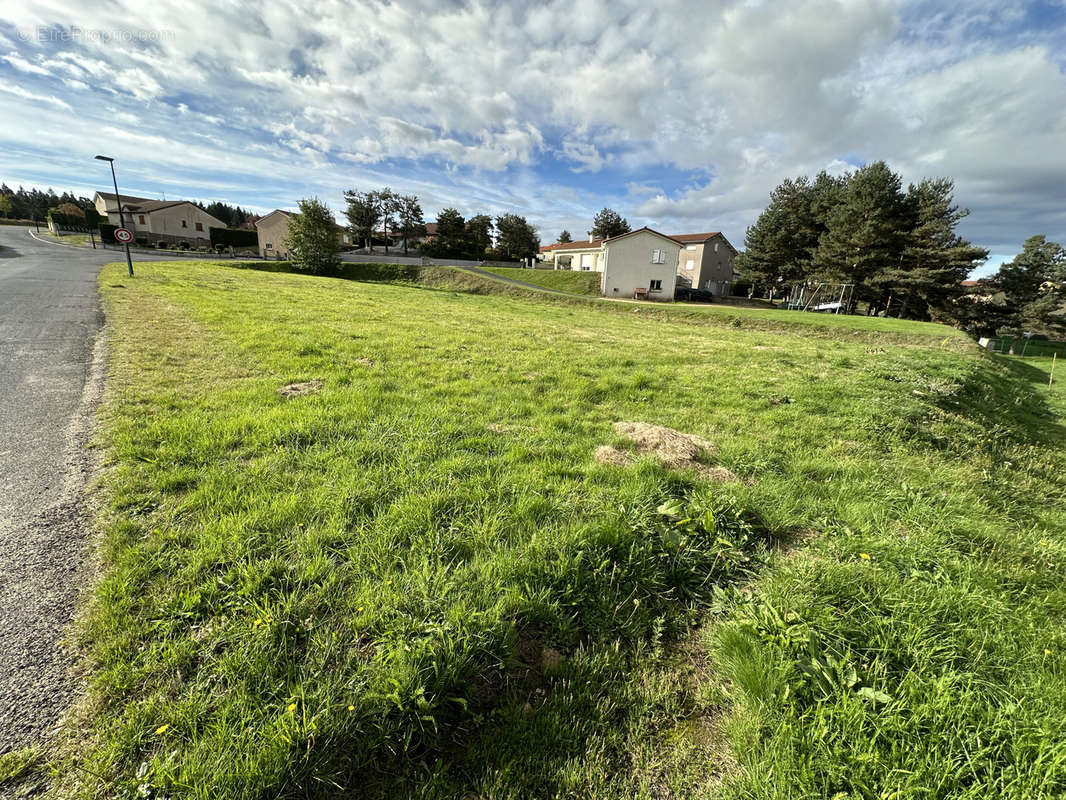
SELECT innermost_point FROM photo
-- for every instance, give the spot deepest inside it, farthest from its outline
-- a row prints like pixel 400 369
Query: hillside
pixel 587 283
pixel 386 534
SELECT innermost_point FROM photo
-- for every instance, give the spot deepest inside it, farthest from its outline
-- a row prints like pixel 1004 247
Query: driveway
pixel 49 317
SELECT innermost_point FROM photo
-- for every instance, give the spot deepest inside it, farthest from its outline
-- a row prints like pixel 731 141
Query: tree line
pixel 382 215
pixel 1026 294
pixel 898 247
pixel 34 204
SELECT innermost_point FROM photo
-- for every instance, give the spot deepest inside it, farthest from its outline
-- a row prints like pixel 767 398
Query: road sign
pixel 123 235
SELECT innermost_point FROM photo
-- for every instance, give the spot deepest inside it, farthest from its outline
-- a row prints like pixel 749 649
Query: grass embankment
pixel 72 239
pixel 586 283
pixel 418 582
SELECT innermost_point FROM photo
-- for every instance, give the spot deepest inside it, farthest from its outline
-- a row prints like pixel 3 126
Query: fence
pixel 1023 346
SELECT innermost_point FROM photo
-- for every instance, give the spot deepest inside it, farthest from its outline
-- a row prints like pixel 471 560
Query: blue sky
pixel 681 115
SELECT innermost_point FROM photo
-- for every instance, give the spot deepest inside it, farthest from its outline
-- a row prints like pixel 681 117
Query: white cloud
pixel 18 91
pixel 697 109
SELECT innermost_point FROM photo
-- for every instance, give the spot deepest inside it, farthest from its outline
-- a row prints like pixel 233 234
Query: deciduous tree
pixel 363 215
pixel 312 240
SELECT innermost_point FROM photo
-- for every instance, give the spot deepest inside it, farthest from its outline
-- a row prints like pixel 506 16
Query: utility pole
pixel 118 201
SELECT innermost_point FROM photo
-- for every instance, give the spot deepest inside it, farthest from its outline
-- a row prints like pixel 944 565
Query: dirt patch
pixel 366 362
pixel 674 449
pixel 295 389
pixel 606 454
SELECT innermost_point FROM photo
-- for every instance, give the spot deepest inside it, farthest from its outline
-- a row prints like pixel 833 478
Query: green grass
pixel 74 239
pixel 366 586
pixel 18 765
pixel 586 283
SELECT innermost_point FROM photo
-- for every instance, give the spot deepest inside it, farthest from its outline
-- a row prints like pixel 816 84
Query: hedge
pixel 234 237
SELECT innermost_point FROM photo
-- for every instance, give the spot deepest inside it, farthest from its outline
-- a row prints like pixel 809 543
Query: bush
pixel 107 233
pixel 234 237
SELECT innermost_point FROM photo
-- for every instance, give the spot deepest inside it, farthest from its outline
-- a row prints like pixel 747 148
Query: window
pixel 690 247
pixel 142 218
pixel 268 246
pixel 655 286
pixel 587 260
pixel 690 264
pixel 184 224
pixel 716 247
pixel 199 226
pixel 658 256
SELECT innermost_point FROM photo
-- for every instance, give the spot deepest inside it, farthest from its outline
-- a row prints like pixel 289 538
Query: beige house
pixel 152 221
pixel 273 230
pixel 706 262
pixel 641 263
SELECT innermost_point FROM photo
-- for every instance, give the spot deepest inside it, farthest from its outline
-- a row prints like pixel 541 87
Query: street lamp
pixel 118 200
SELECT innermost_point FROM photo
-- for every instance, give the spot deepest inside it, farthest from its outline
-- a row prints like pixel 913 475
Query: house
pixel 706 262
pixel 273 230
pixel 151 221
pixel 641 263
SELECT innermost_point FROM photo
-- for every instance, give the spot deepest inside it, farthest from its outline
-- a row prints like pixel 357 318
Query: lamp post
pixel 118 201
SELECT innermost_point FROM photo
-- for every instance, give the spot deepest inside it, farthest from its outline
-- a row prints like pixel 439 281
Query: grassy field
pixel 414 578
pixel 586 283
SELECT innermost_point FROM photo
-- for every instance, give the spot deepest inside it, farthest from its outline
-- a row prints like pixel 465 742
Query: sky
pixel 680 114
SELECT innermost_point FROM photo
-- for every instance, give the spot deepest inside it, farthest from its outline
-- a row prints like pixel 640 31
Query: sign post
pixel 121 220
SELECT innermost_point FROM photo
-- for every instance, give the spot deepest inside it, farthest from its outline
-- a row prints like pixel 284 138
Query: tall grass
pixel 418 582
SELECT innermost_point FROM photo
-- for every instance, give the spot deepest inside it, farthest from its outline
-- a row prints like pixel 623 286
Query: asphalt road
pixel 49 317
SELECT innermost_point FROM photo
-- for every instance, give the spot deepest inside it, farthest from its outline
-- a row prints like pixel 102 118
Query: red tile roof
pixel 581 245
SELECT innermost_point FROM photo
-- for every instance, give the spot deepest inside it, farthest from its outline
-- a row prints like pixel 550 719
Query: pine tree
pixel 780 245
pixel 565 238
pixel 479 234
pixel 517 238
pixel 608 223
pixel 866 231
pixel 935 259
pixel 1035 285
pixel 452 241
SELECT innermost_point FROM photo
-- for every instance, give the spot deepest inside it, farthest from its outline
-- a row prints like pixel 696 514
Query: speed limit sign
pixel 123 235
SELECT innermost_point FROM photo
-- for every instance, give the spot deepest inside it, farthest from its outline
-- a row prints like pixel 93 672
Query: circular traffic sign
pixel 123 235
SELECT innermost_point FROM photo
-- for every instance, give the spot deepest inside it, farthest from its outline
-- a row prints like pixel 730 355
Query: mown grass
pixel 586 283
pixel 417 582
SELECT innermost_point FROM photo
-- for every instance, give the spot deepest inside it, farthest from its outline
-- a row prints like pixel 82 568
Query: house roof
pixel 126 198
pixel 681 238
pixel 645 229
pixel 148 206
pixel 265 217
pixel 688 238
pixel 583 245
pixel 695 238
